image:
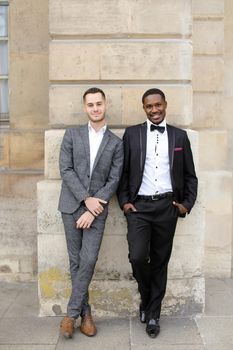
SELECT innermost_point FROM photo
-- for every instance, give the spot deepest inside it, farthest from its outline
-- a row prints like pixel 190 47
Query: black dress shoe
pixel 142 314
pixel 153 328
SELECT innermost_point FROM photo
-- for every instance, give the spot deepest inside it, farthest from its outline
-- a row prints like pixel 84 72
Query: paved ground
pixel 22 329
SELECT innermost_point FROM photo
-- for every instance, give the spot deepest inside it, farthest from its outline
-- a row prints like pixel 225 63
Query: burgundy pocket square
pixel 177 149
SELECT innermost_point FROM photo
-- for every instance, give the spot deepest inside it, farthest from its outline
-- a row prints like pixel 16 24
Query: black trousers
pixel 150 237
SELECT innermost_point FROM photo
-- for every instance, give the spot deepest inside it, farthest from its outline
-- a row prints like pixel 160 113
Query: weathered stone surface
pixel 218 233
pixel 48 216
pixel 212 149
pixel 120 17
pixel 66 104
pixel 29 98
pixel 29 26
pixel 208 7
pixel 4 150
pixel 120 60
pixel 124 105
pixel 212 68
pixel 26 150
pixel 53 140
pixel 207 108
pixel 208 37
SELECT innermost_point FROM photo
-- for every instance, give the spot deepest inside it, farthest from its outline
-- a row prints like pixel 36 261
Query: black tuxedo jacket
pixel 183 176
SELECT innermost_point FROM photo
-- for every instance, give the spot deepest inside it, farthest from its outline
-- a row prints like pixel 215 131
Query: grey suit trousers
pixel 83 246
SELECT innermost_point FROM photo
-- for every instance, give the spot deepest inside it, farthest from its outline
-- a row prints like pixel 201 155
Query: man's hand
pixel 182 209
pixel 94 205
pixel 128 207
pixel 85 220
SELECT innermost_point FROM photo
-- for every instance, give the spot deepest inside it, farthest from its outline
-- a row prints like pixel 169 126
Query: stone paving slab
pixel 30 330
pixel 219 297
pixel 28 347
pixel 216 330
pixel 174 331
pixel 8 293
pixel 155 346
pixel 113 334
pixel 25 303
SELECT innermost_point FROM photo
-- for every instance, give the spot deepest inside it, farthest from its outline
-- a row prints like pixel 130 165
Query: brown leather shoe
pixel 67 327
pixel 87 326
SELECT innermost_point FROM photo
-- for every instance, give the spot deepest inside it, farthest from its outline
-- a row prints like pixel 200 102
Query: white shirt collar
pixel 163 123
pixel 90 128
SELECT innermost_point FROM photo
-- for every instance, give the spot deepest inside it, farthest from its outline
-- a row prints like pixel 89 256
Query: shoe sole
pixel 88 335
pixel 67 335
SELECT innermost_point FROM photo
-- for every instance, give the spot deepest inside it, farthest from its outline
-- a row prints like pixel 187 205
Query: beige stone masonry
pixel 26 150
pixel 121 60
pixel 113 269
pixel 213 145
pixel 120 17
pixel 29 98
pixel 204 42
pixel 218 236
pixel 208 74
pixel 124 105
pixel 208 7
pixel 207 107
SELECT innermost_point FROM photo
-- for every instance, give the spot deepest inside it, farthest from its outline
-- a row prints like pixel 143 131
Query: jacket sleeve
pixel 68 175
pixel 190 178
pixel 123 188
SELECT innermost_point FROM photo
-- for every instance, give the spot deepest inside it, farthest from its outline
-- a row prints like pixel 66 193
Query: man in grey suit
pixel 91 160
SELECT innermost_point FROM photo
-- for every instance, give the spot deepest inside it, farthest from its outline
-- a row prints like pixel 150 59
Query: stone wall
pixel 22 142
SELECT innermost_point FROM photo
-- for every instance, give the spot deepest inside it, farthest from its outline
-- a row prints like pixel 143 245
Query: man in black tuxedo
pixel 158 184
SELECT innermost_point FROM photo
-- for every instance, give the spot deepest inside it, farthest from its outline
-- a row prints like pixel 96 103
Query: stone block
pixel 119 18
pixel 208 8
pixel 120 60
pixel 48 216
pixel 4 150
pixel 20 186
pixel 212 69
pixel 207 107
pixel 179 98
pixel 208 37
pixel 124 105
pixel 194 141
pixel 26 150
pixel 32 19
pixel 66 104
pixel 9 265
pixel 53 140
pixel 218 236
pixel 213 145
pixel 29 97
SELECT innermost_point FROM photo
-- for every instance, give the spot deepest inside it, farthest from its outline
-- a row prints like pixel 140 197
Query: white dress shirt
pixel 95 138
pixel 156 176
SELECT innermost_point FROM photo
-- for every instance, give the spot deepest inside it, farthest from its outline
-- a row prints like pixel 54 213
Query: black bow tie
pixel 157 127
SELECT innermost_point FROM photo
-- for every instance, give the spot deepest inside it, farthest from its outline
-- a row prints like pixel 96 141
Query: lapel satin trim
pixel 142 140
pixel 101 147
pixel 85 137
pixel 171 144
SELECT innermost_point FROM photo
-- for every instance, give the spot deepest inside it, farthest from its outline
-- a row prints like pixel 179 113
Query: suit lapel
pixel 85 138
pixel 101 147
pixel 171 144
pixel 142 140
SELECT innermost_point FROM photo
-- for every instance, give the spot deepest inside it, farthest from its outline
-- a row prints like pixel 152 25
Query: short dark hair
pixel 93 90
pixel 153 91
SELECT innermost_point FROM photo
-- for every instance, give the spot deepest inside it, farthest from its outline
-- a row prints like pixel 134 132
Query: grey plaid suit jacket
pixel 74 162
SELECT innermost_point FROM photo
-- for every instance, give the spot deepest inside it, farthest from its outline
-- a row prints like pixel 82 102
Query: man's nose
pixel 154 109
